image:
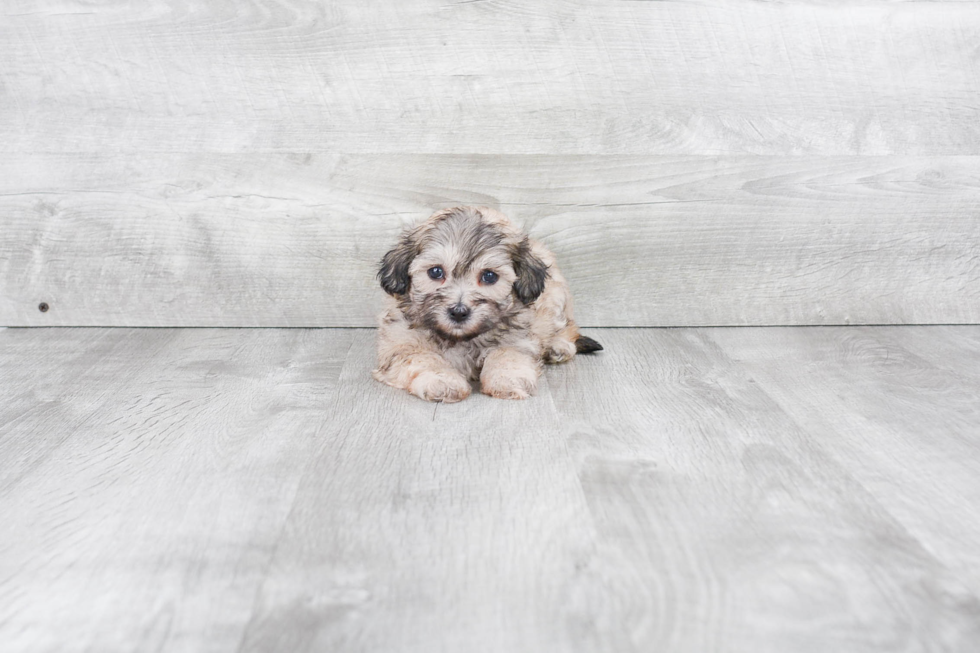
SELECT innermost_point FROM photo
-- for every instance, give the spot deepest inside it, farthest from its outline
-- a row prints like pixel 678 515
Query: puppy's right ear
pixel 393 273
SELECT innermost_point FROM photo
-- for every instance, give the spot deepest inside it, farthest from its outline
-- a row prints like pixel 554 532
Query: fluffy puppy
pixel 470 297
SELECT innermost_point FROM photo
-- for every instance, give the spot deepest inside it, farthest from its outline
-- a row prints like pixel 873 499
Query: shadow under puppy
pixel 472 298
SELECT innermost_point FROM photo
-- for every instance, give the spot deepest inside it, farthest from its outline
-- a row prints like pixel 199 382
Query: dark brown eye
pixel 436 273
pixel 488 278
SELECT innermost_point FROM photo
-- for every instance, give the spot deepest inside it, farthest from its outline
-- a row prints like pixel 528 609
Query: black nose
pixel 459 313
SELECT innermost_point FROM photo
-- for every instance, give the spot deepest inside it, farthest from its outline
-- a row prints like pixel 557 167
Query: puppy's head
pixel 463 272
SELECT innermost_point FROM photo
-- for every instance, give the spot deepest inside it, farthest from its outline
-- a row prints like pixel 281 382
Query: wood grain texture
pixel 562 77
pixel 246 164
pixel 145 479
pixel 905 424
pixel 471 512
pixel 702 490
pixel 725 523
pixel 294 239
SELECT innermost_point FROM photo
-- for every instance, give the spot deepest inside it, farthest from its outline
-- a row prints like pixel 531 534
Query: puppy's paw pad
pixel 448 387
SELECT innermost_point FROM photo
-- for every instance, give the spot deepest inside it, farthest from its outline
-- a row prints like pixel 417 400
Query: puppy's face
pixel 461 292
pixel 462 273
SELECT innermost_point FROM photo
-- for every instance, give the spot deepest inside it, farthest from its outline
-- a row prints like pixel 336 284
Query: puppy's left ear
pixel 393 273
pixel 531 272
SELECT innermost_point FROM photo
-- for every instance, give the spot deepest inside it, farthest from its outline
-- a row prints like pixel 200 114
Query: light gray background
pixel 691 163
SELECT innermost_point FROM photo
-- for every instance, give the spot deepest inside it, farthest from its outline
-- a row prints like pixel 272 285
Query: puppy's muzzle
pixel 459 313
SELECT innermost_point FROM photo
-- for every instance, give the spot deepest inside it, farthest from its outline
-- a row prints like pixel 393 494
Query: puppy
pixel 472 298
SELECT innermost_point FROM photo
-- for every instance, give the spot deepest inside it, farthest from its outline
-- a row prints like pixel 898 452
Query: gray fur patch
pixel 467 233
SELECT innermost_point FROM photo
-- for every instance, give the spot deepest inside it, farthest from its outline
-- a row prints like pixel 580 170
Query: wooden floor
pixel 784 489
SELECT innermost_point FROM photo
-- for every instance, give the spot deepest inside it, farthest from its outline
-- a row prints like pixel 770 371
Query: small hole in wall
pixel 43 307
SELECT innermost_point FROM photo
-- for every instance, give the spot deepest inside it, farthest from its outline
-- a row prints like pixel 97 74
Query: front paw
pixel 509 384
pixel 447 386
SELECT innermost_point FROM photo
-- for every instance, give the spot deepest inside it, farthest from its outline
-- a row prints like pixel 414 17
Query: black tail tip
pixel 586 345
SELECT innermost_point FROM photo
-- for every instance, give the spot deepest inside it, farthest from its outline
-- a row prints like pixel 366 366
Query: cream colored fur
pixel 504 342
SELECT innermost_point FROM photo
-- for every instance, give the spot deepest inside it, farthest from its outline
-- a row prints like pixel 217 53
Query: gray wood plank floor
pixel 780 489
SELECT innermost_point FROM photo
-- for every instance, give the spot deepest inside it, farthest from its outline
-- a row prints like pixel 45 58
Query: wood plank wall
pixel 225 163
